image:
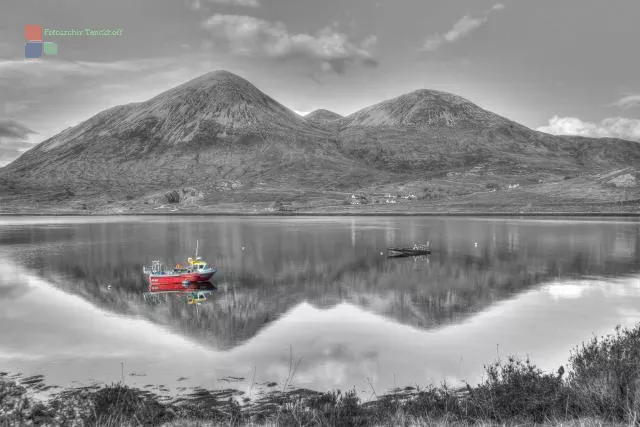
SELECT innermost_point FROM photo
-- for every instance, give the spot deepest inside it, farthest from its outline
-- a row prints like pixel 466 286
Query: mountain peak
pixel 216 77
pixel 424 108
pixel 219 102
pixel 322 115
pixel 222 82
pixel 435 95
pixel 221 74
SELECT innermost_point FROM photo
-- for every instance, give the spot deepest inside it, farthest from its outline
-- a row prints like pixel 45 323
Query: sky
pixel 560 66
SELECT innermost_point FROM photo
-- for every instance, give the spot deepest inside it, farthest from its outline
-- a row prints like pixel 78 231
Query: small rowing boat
pixel 416 250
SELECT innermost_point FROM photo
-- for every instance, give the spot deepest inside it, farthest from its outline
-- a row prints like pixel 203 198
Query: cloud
pixel 53 72
pixel 241 3
pixel 433 42
pixel 13 129
pixel 198 4
pixel 11 108
pixel 612 127
pixel 13 135
pixel 460 29
pixel 251 36
pixel 12 149
pixel 630 101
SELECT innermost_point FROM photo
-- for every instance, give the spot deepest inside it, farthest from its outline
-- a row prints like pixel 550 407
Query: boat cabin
pixel 194 265
pixel 197 264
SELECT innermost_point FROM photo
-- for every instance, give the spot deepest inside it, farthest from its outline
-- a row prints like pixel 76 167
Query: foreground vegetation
pixel 600 387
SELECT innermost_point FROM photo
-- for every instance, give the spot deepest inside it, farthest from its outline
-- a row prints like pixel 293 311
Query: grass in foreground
pixel 601 387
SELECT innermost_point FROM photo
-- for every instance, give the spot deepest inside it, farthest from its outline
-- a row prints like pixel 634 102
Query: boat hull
pixel 406 252
pixel 178 282
pixel 180 287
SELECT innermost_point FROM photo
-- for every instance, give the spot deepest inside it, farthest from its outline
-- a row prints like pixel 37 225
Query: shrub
pixel 436 402
pixel 519 390
pixel 172 197
pixel 605 374
pixel 339 409
pixel 434 193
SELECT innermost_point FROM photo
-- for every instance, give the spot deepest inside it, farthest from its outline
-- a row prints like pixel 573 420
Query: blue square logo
pixel 33 50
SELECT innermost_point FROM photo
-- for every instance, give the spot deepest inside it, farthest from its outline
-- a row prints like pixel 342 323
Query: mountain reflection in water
pixel 316 286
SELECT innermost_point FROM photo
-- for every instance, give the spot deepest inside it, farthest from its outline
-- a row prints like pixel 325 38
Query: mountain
pixel 215 131
pixel 434 130
pixel 212 109
pixel 218 141
pixel 429 130
pixel 322 116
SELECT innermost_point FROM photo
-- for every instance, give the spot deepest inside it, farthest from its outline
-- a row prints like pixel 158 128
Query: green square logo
pixel 50 48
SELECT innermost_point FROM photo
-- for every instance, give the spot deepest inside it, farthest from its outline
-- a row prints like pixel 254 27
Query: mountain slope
pixel 216 127
pixel 429 130
pixel 235 144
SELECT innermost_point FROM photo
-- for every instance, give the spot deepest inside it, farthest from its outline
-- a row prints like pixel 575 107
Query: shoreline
pixel 344 214
pixel 337 214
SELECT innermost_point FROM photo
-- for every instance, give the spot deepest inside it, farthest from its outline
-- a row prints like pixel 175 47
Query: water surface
pixel 312 300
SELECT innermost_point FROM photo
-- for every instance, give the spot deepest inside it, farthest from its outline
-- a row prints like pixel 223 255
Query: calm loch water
pixel 311 300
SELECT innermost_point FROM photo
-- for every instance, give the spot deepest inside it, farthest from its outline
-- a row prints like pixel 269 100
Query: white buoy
pixel 475 244
pixel 381 253
pixel 243 248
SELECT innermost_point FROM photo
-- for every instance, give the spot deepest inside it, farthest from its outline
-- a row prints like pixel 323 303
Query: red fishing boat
pixel 193 276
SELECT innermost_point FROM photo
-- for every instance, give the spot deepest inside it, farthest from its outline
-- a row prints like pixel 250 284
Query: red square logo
pixel 33 32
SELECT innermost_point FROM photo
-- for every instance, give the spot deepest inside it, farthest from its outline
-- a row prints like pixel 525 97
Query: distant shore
pixel 327 208
pixel 336 214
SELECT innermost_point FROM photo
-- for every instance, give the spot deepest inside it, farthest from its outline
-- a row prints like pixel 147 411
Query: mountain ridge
pixel 222 135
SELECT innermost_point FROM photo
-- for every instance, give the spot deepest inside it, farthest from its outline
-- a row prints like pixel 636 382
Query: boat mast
pixel 196 249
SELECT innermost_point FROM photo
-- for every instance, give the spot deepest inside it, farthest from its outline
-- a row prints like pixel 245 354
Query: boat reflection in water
pixel 198 297
pixel 194 293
